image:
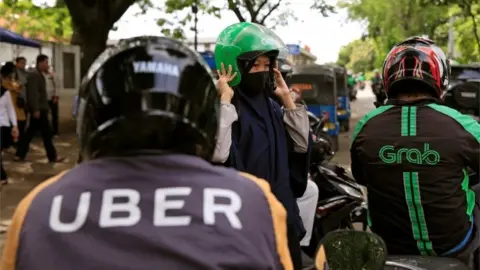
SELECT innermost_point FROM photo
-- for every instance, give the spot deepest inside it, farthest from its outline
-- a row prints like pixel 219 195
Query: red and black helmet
pixel 419 59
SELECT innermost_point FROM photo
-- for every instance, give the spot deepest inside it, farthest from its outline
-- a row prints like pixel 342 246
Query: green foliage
pixel 183 16
pixel 391 21
pixel 467 41
pixel 358 56
pixel 345 54
pixel 323 7
pixel 41 22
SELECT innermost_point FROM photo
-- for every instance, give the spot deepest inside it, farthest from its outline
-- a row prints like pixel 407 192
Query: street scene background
pixel 355 34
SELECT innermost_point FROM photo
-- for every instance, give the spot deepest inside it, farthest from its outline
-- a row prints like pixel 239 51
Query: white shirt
pixel 7 111
pixel 50 84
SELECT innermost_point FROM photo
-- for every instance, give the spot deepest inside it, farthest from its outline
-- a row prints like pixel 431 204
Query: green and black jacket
pixel 413 157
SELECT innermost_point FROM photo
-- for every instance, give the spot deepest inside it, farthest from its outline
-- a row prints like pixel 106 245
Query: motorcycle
pixel 341 249
pixel 352 92
pixel 361 85
pixel 341 201
pixel 379 94
pixel 318 128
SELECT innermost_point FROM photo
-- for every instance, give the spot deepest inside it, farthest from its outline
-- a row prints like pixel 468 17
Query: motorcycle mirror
pixel 350 250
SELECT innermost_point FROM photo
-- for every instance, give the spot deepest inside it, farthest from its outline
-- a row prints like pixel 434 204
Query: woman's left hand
pixel 282 88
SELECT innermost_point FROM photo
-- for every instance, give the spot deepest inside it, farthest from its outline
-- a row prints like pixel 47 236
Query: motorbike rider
pixel 145 195
pixel 377 78
pixel 256 135
pixel 351 85
pixel 360 81
pixel 360 77
pixel 413 154
pixel 377 87
pixel 350 79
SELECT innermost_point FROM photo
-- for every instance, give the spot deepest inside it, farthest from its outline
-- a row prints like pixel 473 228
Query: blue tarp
pixel 7 36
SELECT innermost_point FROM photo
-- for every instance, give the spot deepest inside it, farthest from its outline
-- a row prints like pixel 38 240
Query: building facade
pixel 300 55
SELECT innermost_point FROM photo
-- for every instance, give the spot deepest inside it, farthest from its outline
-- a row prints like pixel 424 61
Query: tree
pixel 83 22
pixel 40 22
pixel 467 13
pixel 358 55
pixel 265 12
pixel 345 54
pixel 278 11
pixel 467 43
pixel 391 21
pixel 176 28
pixel 92 21
pixel 88 22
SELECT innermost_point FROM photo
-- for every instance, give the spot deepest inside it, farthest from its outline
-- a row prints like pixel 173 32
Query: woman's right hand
pixel 224 77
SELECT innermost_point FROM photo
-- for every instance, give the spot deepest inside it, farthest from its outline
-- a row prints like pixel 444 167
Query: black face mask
pixel 253 84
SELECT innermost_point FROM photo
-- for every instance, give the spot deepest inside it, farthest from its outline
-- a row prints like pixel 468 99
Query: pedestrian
pixel 20 72
pixel 14 84
pixel 256 135
pixel 37 103
pixel 51 80
pixel 8 119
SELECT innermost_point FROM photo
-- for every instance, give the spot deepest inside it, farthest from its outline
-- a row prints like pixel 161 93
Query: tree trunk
pixel 92 20
pixel 92 46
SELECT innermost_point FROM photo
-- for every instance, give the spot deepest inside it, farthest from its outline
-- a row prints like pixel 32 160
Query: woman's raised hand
pixel 224 77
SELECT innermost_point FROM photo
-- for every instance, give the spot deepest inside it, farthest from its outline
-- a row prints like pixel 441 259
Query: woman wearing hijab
pixel 256 135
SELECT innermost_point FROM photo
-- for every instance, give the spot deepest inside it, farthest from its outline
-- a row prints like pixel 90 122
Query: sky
pixel 324 36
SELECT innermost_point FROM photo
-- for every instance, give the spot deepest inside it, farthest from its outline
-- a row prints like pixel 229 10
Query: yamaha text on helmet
pixel 416 59
pixel 148 95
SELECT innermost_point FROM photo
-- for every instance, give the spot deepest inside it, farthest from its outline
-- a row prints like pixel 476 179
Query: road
pixel 360 107
pixel 26 175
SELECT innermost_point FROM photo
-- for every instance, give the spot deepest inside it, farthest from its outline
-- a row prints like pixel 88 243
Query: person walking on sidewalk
pixel 21 74
pixel 37 102
pixel 51 81
pixel 8 119
pixel 17 92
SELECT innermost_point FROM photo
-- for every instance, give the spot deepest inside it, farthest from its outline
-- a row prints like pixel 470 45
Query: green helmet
pixel 246 41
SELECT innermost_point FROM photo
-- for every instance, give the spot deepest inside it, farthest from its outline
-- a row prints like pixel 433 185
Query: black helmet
pixel 148 95
pixel 416 59
pixel 286 69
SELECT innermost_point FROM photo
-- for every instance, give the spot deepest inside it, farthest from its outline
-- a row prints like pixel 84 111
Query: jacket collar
pixel 421 101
